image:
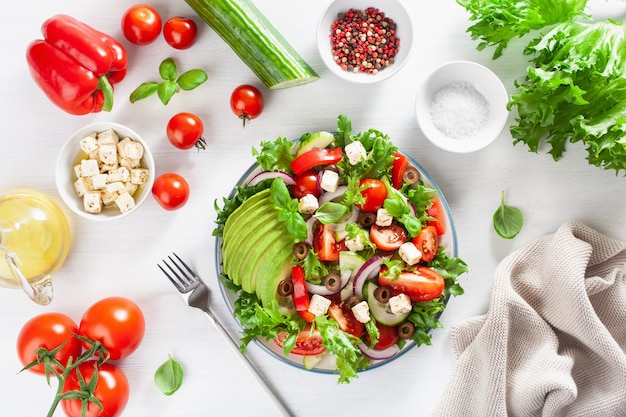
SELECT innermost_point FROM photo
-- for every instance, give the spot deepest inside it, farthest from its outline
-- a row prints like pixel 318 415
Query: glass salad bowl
pixel 327 363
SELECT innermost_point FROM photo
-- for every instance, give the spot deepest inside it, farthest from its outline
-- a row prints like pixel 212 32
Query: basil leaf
pixel 507 220
pixel 144 90
pixel 191 79
pixel 330 212
pixel 166 90
pixel 167 70
pixel 169 376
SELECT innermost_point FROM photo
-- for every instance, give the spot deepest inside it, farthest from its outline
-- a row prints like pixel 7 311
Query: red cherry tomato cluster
pixel 142 24
pixel 117 323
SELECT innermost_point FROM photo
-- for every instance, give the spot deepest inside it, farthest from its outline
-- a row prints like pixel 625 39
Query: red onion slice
pixel 368 271
pixel 379 355
pixel 330 196
pixel 322 290
pixel 264 175
pixel 310 227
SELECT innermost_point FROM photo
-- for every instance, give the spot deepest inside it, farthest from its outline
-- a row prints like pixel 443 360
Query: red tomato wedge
pixel 423 284
pixel 388 238
pixel 427 241
pixel 388 336
pixel 324 243
pixel 437 212
pixel 300 295
pixel 315 158
pixel 307 343
pixel 346 320
pixel 397 169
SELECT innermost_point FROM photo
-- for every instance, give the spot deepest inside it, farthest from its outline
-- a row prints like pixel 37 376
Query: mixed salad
pixel 333 249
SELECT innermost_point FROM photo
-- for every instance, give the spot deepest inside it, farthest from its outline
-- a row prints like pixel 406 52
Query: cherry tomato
pixel 112 389
pixel 314 158
pixel 324 243
pixel 141 24
pixel 437 212
pixel 388 336
pixel 388 238
pixel 345 319
pixel 374 193
pixel 171 191
pixel 422 284
pixel 180 32
pixel 184 131
pixel 427 241
pixel 400 163
pixel 306 183
pixel 117 323
pixel 247 102
pixel 48 330
pixel 307 343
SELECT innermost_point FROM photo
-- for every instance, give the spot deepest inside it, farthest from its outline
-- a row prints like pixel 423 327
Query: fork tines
pixel 183 277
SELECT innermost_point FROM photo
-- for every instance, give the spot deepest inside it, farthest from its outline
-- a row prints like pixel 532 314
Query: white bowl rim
pixel 63 171
pixel 498 99
pixel 406 40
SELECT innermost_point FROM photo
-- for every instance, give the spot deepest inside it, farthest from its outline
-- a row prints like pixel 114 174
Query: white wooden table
pixel 547 192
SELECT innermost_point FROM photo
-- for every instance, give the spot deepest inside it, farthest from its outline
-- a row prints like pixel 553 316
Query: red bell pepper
pixel 315 157
pixel 75 65
pixel 300 295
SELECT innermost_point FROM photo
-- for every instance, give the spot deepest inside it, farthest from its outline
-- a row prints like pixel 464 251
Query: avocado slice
pixel 234 216
pixel 271 272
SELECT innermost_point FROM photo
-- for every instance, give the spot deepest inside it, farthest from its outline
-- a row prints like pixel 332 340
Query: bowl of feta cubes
pixel 104 171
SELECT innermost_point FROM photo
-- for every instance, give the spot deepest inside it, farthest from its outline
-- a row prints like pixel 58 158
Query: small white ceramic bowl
pixel 71 155
pixel 461 107
pixel 392 9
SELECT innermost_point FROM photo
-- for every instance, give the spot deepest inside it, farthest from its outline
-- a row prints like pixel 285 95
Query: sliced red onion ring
pixel 310 227
pixel 369 270
pixel 264 175
pixel 378 355
pixel 322 290
pixel 330 196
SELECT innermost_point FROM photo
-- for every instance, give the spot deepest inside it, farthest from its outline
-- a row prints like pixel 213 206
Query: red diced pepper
pixel 300 295
pixel 314 158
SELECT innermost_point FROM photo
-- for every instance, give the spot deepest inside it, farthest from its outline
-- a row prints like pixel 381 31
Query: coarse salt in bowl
pixel 391 9
pixel 462 107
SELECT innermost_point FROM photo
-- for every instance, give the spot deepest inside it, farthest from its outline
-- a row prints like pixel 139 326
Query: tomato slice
pixel 388 336
pixel 422 284
pixel 374 192
pixel 324 243
pixel 437 212
pixel 397 169
pixel 345 319
pixel 388 238
pixel 308 342
pixel 300 295
pixel 314 158
pixel 427 241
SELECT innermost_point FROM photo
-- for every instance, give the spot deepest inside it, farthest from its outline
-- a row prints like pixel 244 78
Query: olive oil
pixel 35 232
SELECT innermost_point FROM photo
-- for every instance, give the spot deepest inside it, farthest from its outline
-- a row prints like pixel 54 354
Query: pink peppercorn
pixel 364 40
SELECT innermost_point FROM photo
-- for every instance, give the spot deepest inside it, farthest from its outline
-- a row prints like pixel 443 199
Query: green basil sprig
pixel 296 226
pixel 169 376
pixel 171 84
pixel 507 220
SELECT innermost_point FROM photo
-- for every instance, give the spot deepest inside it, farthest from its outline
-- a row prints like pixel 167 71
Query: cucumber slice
pixel 318 140
pixel 310 361
pixel 381 311
pixel 349 261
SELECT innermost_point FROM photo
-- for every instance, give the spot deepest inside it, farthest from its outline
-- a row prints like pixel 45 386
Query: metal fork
pixel 196 293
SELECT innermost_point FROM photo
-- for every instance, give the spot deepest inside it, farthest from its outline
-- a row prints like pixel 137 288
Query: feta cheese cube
pixel 107 154
pixel 361 312
pixel 98 181
pixel 356 243
pixel 409 253
pixel 89 143
pixel 383 218
pixel 108 137
pixel 105 168
pixel 107 197
pixel 139 176
pixel 115 187
pixel 308 204
pixel 81 186
pixel 130 188
pixel 92 202
pixel 400 304
pixel 356 152
pixel 77 171
pixel 129 163
pixel 132 149
pixel 318 305
pixel 120 146
pixel 89 167
pixel 125 202
pixel 329 181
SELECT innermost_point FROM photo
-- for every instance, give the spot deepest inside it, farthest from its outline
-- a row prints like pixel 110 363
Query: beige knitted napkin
pixel 553 341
